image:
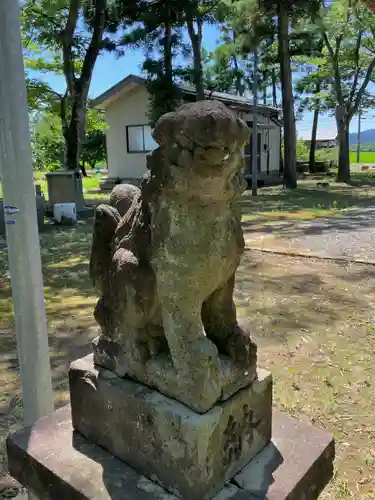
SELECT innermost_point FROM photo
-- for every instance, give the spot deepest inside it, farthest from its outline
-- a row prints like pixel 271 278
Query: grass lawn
pixel 313 321
pixel 308 201
pixel 365 157
pixel 331 154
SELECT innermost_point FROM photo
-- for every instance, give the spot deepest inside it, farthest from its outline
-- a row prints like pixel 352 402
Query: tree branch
pixel 333 55
pixel 38 11
pixel 211 8
pixel 67 44
pixel 94 47
pixel 362 89
pixel 64 121
pixel 338 43
pixel 56 94
pixel 335 66
pixel 356 76
pixel 199 29
pixel 328 44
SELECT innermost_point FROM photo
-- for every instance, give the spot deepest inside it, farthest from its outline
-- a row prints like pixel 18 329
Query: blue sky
pixel 109 70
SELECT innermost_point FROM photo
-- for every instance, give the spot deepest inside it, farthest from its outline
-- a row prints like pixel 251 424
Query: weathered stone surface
pixel 164 258
pixel 297 465
pixel 57 463
pixel 189 454
pixel 161 374
pixel 65 186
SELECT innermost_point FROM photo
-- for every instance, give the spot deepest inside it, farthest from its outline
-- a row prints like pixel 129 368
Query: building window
pixel 139 139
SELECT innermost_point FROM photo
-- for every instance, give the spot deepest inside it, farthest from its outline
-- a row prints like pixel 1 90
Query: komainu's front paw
pixel 240 348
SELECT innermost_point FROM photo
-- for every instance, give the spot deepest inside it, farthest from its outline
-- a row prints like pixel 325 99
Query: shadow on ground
pixel 312 320
pixel 309 197
pixel 352 220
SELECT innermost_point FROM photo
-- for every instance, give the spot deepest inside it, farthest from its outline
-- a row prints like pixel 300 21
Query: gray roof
pixel 112 91
pixel 239 102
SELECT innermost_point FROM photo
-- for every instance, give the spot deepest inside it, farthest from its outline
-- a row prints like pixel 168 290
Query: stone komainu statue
pixel 164 257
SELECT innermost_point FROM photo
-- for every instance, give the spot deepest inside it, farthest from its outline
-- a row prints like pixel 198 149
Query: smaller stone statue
pixel 164 258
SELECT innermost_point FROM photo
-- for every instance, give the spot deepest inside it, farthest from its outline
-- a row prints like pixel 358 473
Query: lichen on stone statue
pixel 164 258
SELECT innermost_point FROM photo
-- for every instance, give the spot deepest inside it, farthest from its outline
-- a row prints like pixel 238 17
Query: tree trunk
pixel 314 132
pixel 239 86
pixel 83 169
pixel 342 120
pixel 196 44
pixel 74 134
pixel 274 88
pixel 265 95
pixel 313 141
pixel 281 167
pixel 78 87
pixel 72 145
pixel 290 171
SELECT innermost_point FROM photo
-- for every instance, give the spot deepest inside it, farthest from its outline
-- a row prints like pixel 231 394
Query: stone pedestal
pixel 189 454
pixel 65 186
pixel 57 463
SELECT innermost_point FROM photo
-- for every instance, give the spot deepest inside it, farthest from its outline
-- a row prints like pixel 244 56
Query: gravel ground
pixel 350 235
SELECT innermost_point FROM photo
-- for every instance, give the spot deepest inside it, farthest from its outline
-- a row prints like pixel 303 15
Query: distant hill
pixel 367 137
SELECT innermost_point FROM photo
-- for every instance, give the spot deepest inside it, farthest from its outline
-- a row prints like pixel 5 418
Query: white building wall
pixel 269 137
pixel 275 149
pixel 131 109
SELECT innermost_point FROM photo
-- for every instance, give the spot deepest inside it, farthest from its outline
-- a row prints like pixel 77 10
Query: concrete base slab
pixel 191 455
pixel 309 449
pixel 57 463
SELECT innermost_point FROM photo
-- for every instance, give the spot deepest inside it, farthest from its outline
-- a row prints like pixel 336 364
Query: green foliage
pixel 94 148
pixel 94 145
pixel 48 143
pixel 345 64
pixel 348 32
pixel 243 28
pixel 327 154
pixel 302 150
pixel 331 45
pixel 364 147
pixel 65 37
pixel 164 96
pixel 158 33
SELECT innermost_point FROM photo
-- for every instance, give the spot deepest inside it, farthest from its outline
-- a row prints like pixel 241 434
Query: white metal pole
pixel 21 221
pixel 359 137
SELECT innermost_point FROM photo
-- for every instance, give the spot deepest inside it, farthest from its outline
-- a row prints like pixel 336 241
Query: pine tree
pixel 72 33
